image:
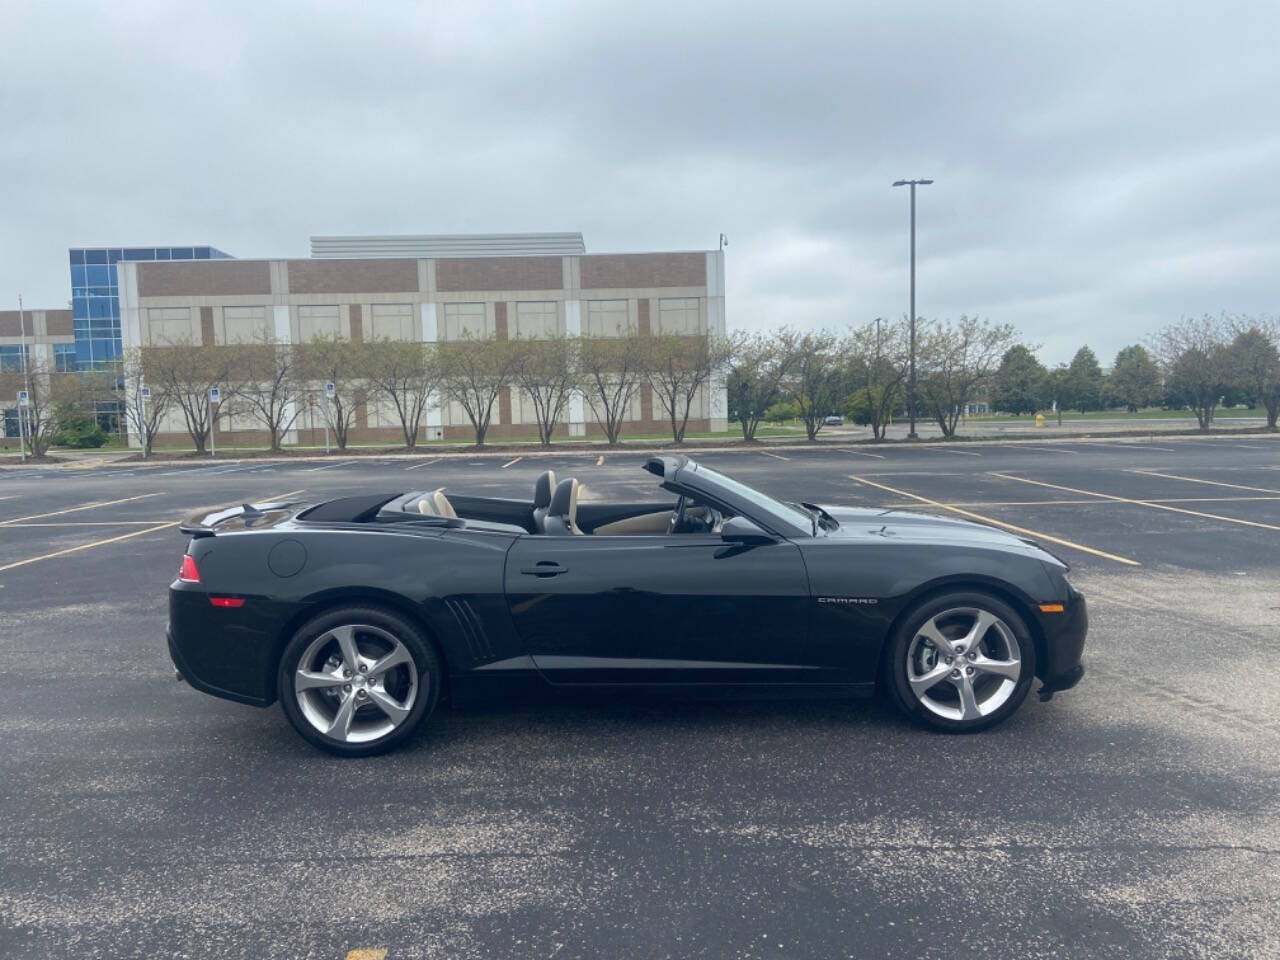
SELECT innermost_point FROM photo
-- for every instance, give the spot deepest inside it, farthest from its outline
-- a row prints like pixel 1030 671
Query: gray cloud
pixel 1101 168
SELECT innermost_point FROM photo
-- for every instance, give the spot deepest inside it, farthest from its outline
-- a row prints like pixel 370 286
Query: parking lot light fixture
pixel 911 385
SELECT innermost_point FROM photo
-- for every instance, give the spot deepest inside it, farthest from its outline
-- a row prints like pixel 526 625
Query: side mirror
pixel 742 530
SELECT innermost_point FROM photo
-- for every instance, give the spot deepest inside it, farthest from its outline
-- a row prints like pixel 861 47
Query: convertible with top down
pixel 360 614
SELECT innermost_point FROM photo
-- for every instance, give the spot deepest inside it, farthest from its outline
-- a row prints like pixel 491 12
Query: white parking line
pixel 329 466
pixel 1212 483
pixel 774 455
pixel 1069 453
pixel 862 453
pixel 959 453
pixel 511 463
pixel 84 506
pixel 426 463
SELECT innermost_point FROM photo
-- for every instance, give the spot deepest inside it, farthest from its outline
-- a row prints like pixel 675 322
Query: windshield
pixel 789 514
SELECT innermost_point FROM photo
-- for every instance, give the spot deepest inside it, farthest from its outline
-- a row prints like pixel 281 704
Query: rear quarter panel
pixel 450 582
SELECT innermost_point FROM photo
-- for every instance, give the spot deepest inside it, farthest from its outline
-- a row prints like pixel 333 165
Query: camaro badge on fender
pixel 867 600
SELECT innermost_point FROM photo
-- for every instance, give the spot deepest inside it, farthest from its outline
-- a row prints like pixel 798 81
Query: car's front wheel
pixel 358 680
pixel 961 662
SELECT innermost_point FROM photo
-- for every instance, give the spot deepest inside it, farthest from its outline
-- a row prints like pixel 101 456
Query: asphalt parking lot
pixel 1135 816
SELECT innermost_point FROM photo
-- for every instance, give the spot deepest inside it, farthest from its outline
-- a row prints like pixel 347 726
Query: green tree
pixel 877 369
pixel 1134 380
pixel 758 366
pixel 1254 360
pixel 955 364
pixel 1058 389
pixel 1086 380
pixel 1019 383
pixel 1197 365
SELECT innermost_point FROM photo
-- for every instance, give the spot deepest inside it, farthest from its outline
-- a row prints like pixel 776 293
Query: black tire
pixel 896 660
pixel 425 660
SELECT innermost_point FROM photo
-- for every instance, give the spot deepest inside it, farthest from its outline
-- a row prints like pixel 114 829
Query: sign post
pixel 215 396
pixel 144 394
pixel 330 391
pixel 24 401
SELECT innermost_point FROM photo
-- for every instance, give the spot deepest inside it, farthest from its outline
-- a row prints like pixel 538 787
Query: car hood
pixel 863 523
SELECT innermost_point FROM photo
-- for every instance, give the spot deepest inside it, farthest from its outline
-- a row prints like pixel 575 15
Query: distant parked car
pixel 835 420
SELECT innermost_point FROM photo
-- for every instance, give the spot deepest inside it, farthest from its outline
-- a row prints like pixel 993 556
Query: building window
pixel 13 358
pixel 678 315
pixel 607 318
pixel 313 320
pixel 165 325
pixel 537 319
pixel 391 321
pixel 245 325
pixel 64 357
pixel 460 318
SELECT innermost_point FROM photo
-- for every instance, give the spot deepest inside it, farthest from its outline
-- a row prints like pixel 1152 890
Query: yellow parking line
pixel 999 523
pixel 86 523
pixel 367 953
pixel 123 536
pixel 1212 483
pixel 510 463
pixel 774 455
pixel 1142 503
pixel 86 506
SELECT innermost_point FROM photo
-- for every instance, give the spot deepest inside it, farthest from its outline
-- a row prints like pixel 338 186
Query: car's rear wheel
pixel 358 680
pixel 961 662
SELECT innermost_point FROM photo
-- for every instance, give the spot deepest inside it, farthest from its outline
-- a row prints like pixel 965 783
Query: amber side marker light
pixel 1051 608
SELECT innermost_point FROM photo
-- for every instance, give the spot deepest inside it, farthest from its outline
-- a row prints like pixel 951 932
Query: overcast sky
pixel 1101 168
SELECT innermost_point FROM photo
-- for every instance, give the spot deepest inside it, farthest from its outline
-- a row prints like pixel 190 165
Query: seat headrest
pixel 562 498
pixel 542 490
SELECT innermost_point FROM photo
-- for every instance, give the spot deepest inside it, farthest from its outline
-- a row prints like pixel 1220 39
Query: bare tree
pixel 329 358
pixel 263 383
pixel 815 379
pixel 1255 362
pixel 757 366
pixel 678 368
pixel 187 371
pixel 959 360
pixel 139 372
pixel 611 371
pixel 474 372
pixel 878 356
pixel 546 371
pixel 407 374
pixel 1196 363
pixel 47 391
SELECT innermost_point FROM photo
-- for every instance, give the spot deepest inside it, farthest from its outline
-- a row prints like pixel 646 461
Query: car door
pixel 686 608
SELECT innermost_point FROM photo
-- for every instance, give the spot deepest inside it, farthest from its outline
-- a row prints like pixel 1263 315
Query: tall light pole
pixel 911 386
pixel 26 382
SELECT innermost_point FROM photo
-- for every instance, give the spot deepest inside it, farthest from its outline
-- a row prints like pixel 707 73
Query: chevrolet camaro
pixel 361 614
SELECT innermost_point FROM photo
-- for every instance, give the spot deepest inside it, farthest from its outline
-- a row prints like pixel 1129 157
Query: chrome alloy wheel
pixel 963 663
pixel 356 683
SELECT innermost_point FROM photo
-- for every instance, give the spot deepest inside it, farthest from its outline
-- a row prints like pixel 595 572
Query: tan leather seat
pixel 443 507
pixel 427 506
pixel 562 515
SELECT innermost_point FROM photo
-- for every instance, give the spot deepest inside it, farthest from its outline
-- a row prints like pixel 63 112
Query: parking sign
pixel 330 390
pixel 215 395
pixel 146 393
pixel 24 398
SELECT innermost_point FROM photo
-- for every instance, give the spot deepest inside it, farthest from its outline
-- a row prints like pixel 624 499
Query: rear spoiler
pixel 205 524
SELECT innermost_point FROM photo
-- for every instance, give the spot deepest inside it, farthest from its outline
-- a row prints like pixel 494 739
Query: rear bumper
pixel 228 653
pixel 1064 635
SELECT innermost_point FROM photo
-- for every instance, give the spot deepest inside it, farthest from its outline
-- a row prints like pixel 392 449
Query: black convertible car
pixel 360 614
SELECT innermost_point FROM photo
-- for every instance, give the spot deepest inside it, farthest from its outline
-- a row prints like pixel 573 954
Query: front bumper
pixel 1064 635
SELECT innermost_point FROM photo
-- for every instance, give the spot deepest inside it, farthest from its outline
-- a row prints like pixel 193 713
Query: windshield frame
pixel 776 516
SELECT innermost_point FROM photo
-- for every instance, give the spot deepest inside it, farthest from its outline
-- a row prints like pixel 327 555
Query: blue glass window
pixel 182 253
pixel 139 253
pixel 64 357
pixel 97 276
pixel 77 257
pixel 95 256
pixel 100 306
pixel 114 255
pixel 77 276
pixel 11 357
pixel 162 253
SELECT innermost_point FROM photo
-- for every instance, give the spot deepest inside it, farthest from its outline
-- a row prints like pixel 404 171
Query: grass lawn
pixel 1148 413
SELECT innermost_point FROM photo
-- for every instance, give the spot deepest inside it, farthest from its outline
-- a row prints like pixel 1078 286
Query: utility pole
pixel 911 387
pixel 23 433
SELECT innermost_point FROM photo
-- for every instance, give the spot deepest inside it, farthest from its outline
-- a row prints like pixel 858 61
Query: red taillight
pixel 189 573
pixel 227 601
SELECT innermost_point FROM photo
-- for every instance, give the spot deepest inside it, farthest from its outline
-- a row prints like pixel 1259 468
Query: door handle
pixel 544 568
